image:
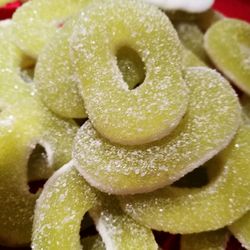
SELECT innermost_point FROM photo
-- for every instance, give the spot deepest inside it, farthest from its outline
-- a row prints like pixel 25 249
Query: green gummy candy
pixel 214 240
pixel 59 210
pixel 245 102
pixel 228 45
pixel 35 22
pixel 241 230
pixel 118 230
pixel 184 210
pixel 143 114
pixel 211 121
pixel 189 59
pixel 55 78
pixel 192 38
pixel 93 243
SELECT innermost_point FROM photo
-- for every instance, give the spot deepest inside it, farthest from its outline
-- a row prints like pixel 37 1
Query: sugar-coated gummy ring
pixel 35 22
pixel 228 45
pixel 186 5
pixel 24 123
pixel 55 78
pixel 68 196
pixel 210 123
pixel 241 230
pixel 214 240
pixel 185 211
pixel 57 82
pixel 155 108
pixel 108 216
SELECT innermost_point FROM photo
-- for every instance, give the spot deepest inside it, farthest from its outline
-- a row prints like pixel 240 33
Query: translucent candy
pixel 221 202
pixel 241 230
pixel 187 5
pixel 211 121
pixel 36 22
pixel 60 208
pixel 228 45
pixel 118 230
pixel 155 108
pixel 214 240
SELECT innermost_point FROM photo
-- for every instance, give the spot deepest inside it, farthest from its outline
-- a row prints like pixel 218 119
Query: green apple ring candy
pixel 117 229
pixel 55 78
pixel 93 243
pixel 245 102
pixel 123 116
pixel 69 197
pixel 185 211
pixel 25 123
pixel 211 122
pixel 192 38
pixel 35 22
pixel 241 230
pixel 227 44
pixel 189 59
pixel 214 240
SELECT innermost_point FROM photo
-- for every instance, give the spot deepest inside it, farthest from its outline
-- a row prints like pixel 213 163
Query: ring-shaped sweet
pixel 68 196
pixel 57 82
pixel 185 211
pixel 152 110
pixel 211 121
pixel 241 230
pixel 227 43
pixel 24 123
pixel 35 22
pixel 214 240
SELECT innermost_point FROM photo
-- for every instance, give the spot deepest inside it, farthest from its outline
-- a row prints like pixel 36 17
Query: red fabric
pixel 231 8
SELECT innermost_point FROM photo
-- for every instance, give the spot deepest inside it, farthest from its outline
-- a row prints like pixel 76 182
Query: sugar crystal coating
pixel 221 202
pixel 241 230
pixel 214 240
pixel 228 45
pixel 210 123
pixel 35 22
pixel 154 109
pixel 117 229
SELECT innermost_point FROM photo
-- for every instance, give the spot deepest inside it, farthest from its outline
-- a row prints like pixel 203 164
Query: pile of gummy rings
pixel 125 108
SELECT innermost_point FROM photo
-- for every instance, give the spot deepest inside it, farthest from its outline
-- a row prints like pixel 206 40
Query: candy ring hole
pixel 200 177
pixel 87 227
pixel 80 121
pixel 131 66
pixel 27 69
pixel 38 169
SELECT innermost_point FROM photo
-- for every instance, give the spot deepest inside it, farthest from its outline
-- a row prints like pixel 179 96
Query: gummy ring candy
pixel 19 104
pixel 189 59
pixel 215 240
pixel 57 83
pixel 187 5
pixel 241 230
pixel 245 103
pixel 55 78
pixel 210 123
pixel 107 215
pixel 67 189
pixel 227 44
pixel 154 109
pixel 192 38
pixel 35 22
pixel 185 211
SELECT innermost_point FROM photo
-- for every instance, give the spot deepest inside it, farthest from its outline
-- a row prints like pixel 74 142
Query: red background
pixel 231 8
